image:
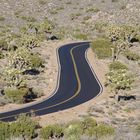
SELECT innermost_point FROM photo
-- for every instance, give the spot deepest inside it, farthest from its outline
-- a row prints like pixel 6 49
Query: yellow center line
pixel 76 93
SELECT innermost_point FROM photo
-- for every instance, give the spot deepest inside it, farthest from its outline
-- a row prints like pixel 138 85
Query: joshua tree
pixel 121 37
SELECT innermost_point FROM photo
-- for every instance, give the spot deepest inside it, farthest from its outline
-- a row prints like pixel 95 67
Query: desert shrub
pixel 138 37
pixel 3 44
pixel 53 12
pixel 3 101
pixel 116 65
pixel 24 127
pixel 23 59
pixel 86 18
pixel 16 95
pixel 2 18
pixel 100 26
pixel 46 25
pixel 92 9
pixel 35 61
pixel 69 2
pixel 17 13
pixel 81 36
pixel 103 130
pixel 138 129
pixel 51 131
pixel 74 16
pixel 102 48
pixel 42 2
pixel 114 0
pixel 1 55
pixel 73 131
pixel 119 80
pixel 4 130
pixel 132 56
pixel 28 18
pixel 30 41
pixel 37 92
pixel 88 126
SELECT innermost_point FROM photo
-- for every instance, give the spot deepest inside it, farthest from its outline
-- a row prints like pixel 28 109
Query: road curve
pixel 77 83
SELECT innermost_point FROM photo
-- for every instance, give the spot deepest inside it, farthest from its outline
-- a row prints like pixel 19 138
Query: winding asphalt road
pixel 77 83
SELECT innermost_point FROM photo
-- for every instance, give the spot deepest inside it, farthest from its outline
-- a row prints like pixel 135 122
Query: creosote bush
pixel 51 131
pixel 3 44
pixel 36 61
pixel 24 127
pixel 42 2
pixel 116 65
pixel 2 18
pixel 80 36
pixel 73 130
pixel 138 129
pixel 28 18
pixel 88 125
pixel 16 95
pixel 132 56
pixel 102 48
pixel 4 130
pixel 103 130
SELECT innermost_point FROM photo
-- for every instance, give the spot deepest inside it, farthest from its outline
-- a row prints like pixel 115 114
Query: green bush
pixel 92 9
pixel 132 56
pixel 42 2
pixel 138 37
pixel 4 130
pixel 24 127
pixel 1 55
pixel 46 25
pixel 30 41
pixel 29 18
pixel 88 125
pixel 81 36
pixel 51 131
pixel 114 0
pixel 2 18
pixel 100 26
pixel 35 61
pixel 37 92
pixel 73 131
pixel 119 80
pixel 103 130
pixel 16 95
pixel 138 129
pixel 102 48
pixel 116 65
pixel 3 44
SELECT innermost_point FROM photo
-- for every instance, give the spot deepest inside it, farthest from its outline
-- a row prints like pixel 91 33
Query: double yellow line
pixel 75 94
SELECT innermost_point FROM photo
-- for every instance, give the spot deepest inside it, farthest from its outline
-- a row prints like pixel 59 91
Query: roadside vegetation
pixel 17 50
pixel 26 128
pixel 115 45
pixel 117 42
